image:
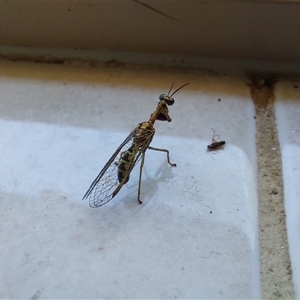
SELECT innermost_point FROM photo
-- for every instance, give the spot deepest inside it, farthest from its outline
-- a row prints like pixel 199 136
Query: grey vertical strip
pixel 276 274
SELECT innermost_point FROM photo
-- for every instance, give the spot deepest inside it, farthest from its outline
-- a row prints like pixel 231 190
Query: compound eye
pixel 170 101
pixel 162 97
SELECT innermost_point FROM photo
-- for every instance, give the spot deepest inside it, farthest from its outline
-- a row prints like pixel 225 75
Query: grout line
pixel 275 268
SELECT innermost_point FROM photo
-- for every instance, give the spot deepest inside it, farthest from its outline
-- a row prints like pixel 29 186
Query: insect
pixel 214 143
pixel 117 170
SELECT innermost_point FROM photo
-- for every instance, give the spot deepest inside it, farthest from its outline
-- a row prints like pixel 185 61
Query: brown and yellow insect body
pixel 142 139
pixel 117 170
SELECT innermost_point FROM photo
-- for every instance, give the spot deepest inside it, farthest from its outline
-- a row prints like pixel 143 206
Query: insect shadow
pixel 151 185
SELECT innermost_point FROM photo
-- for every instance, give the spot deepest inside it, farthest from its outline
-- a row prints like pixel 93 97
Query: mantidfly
pixel 117 170
pixel 214 143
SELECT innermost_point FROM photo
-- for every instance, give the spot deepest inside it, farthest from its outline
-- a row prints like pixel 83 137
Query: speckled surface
pixel 195 235
pixel 288 116
pixel 276 273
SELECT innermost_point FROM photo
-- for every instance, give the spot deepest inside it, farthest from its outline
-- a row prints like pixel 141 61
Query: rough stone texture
pixel 276 275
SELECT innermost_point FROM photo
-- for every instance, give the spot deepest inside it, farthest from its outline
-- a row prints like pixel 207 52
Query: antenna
pixel 177 89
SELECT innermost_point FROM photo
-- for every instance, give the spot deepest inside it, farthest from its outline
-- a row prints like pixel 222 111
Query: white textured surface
pixel 195 235
pixel 288 117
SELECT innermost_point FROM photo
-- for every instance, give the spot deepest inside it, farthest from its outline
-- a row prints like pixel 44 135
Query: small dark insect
pixel 214 143
pixel 117 170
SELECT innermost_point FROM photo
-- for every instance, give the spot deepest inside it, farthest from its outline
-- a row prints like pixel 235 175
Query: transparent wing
pixel 106 185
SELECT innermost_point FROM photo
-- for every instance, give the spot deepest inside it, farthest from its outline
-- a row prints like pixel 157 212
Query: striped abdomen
pixel 125 164
pixel 142 138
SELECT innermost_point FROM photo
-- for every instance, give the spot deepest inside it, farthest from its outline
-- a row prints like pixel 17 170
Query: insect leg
pixel 140 179
pixel 163 150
